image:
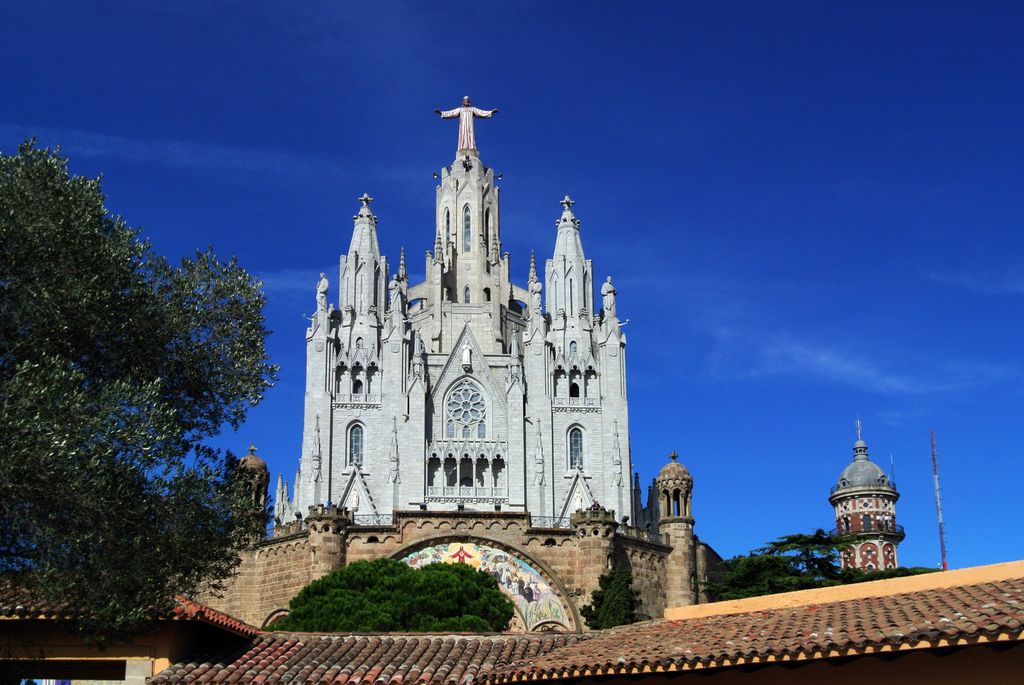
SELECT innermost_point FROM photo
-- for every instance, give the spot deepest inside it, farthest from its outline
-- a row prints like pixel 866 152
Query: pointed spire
pixel 860 448
pixel 402 274
pixel 533 267
pixel 438 247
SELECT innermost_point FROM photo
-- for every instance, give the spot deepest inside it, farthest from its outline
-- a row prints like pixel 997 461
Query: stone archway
pixel 539 599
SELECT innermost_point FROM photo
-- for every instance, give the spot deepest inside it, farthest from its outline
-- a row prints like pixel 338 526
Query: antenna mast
pixel 938 502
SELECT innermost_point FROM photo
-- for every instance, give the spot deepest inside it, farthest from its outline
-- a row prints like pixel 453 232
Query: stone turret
pixel 327 526
pixel 594 528
pixel 674 487
pixel 256 471
pixel 864 500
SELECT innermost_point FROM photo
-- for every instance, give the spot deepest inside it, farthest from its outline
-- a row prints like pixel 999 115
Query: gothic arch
pixel 542 569
pixel 573 432
pixel 355 438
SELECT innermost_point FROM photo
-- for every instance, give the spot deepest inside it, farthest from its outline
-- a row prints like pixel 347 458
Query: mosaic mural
pixel 537 604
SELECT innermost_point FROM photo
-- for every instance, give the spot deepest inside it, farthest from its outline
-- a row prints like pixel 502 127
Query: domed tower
pixel 674 486
pixel 865 504
pixel 256 472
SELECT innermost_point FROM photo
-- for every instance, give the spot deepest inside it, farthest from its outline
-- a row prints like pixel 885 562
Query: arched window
pixel 569 301
pixel 433 469
pixel 467 230
pixel 572 349
pixel 676 506
pixel 481 472
pixel 574 389
pixel 465 295
pixel 359 343
pixel 355 445
pixel 487 294
pixel 865 522
pixel 576 448
pixel 357 387
pixel 450 471
pixel 467 411
pixel 487 228
pixel 447 228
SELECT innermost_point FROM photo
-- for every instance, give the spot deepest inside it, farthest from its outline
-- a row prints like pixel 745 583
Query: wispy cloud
pixel 173 153
pixel 289 281
pixel 1010 282
pixel 759 354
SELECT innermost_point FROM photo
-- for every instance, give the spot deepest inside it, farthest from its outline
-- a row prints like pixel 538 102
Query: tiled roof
pixel 910 620
pixel 189 610
pixel 353 659
pixel 16 603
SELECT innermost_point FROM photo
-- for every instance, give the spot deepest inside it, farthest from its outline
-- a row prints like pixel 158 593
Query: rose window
pixel 466 411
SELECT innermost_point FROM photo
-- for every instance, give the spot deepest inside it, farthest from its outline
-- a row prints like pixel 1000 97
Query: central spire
pixel 466 113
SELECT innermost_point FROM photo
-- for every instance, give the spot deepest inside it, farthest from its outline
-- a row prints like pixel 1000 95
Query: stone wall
pixel 571 559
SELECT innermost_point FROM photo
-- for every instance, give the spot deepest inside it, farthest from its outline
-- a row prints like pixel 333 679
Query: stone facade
pixel 466 407
pixel 570 559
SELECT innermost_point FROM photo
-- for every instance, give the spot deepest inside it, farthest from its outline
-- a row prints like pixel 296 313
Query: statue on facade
pixel 393 475
pixel 466 113
pixel 617 459
pixel 608 297
pixel 467 356
pixel 538 457
pixel 395 292
pixel 417 356
pixel 321 293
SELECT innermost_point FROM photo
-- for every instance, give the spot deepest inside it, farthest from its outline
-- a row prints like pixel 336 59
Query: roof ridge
pixel 975 575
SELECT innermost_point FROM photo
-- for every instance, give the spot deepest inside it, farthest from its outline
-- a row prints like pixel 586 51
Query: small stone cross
pixel 366 200
pixel 567 202
pixel 673 456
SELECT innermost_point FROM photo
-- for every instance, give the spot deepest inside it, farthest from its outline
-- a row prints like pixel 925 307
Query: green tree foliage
pixel 388 595
pixel 793 562
pixel 114 367
pixel 615 602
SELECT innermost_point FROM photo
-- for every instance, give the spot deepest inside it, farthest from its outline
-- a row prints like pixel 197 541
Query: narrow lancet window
pixel 355 445
pixel 576 448
pixel 467 230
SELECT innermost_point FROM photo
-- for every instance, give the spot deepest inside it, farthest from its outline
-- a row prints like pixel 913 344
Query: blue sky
pixel 824 202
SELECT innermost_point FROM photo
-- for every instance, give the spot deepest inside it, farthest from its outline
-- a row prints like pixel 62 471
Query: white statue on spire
pixel 321 293
pixel 608 297
pixel 466 113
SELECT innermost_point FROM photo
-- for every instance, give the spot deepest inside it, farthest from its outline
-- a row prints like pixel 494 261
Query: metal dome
pixel 862 472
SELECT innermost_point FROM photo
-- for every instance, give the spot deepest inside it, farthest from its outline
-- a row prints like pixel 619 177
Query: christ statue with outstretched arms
pixel 466 114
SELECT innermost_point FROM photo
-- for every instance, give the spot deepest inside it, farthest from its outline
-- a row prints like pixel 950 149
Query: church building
pixel 464 390
pixel 469 418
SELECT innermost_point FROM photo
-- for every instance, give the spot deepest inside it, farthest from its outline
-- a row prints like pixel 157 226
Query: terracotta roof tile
pixel 17 603
pixel 894 621
pixel 359 659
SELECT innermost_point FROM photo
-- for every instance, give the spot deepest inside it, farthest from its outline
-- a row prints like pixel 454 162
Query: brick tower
pixel 864 499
